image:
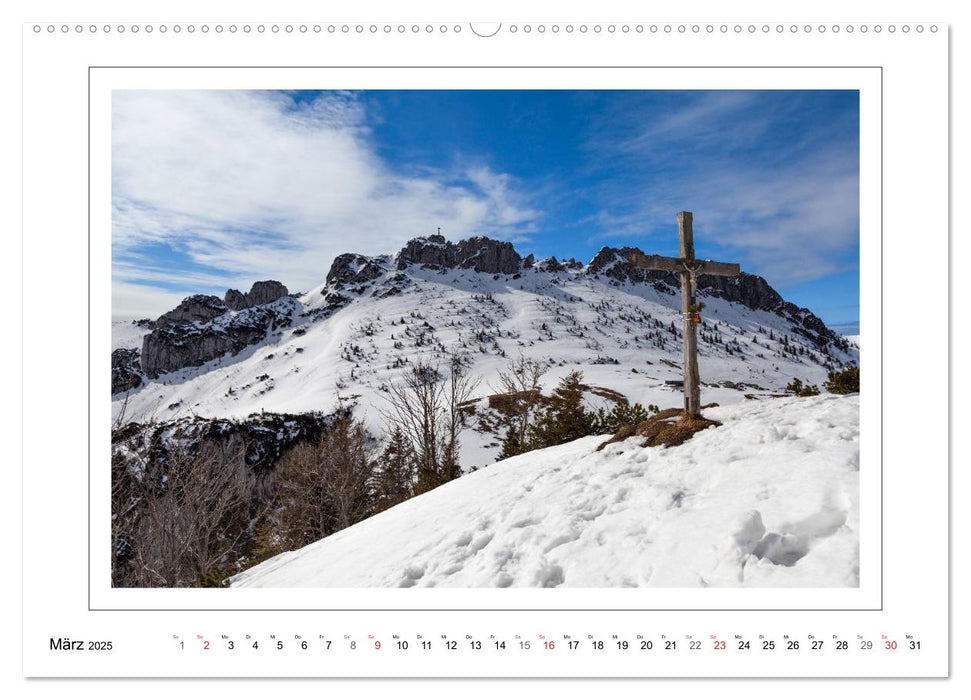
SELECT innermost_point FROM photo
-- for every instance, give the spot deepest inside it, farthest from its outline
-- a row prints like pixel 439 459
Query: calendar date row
pixel 543 644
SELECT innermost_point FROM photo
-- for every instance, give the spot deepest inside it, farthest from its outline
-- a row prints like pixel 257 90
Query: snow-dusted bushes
pixel 797 387
pixel 324 487
pixel 564 417
pixel 845 382
pixel 193 502
pixel 620 415
pixel 178 521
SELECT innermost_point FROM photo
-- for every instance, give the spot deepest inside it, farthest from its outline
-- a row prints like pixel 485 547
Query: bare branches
pixel 324 487
pixel 179 520
pixel 460 387
pixel 520 382
pixel 426 408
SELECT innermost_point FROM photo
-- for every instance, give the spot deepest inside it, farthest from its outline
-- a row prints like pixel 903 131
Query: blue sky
pixel 213 189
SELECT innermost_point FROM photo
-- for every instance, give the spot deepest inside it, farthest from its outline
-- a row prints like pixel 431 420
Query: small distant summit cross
pixel 688 267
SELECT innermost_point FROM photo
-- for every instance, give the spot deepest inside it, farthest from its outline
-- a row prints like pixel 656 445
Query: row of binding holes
pixel 713 29
pixel 513 28
pixel 258 28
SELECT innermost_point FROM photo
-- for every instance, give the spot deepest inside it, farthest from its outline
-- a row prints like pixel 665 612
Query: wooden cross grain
pixel 688 267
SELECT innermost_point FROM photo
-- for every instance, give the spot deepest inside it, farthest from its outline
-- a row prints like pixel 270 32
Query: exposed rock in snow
pixel 235 300
pixel 749 290
pixel 263 292
pixel 477 253
pixel 194 333
pixel 351 268
pixel 125 370
pixel 198 308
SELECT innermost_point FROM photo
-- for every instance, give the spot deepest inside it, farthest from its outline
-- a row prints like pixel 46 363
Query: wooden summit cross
pixel 688 267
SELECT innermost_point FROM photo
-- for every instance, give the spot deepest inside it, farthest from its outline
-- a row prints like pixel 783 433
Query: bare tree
pixel 324 487
pixel 178 521
pixel 415 407
pixel 348 461
pixel 520 383
pixel 459 389
pixel 426 407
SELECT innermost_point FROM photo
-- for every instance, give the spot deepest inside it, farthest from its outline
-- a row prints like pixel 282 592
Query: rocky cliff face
pixel 266 435
pixel 749 290
pixel 203 328
pixel 352 269
pixel 478 253
pixel 199 308
pixel 263 292
pixel 125 370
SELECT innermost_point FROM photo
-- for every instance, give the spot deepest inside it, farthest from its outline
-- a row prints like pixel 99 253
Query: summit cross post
pixel 688 267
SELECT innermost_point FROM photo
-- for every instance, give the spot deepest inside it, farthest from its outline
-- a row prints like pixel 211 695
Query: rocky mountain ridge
pixel 202 328
pixel 347 339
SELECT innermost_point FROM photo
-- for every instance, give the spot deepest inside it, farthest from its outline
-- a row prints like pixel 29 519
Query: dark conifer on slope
pixel 564 418
pixel 394 482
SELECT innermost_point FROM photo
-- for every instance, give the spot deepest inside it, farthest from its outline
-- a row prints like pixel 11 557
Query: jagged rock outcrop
pixel 262 292
pixel 184 339
pixel 235 300
pixel 477 253
pixel 266 292
pixel 125 370
pixel 746 289
pixel 550 264
pixel 431 251
pixel 199 308
pixel 351 268
pixel 266 435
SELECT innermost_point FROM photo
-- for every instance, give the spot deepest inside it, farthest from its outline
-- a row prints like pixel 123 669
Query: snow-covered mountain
pixel 347 340
pixel 770 498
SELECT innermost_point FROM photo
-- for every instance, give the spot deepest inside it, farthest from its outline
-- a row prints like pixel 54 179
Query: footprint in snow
pixel 549 576
pixel 504 580
pixel 480 542
pixel 411 576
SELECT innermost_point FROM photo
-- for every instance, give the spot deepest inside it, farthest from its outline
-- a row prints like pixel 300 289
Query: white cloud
pixel 130 301
pixel 253 185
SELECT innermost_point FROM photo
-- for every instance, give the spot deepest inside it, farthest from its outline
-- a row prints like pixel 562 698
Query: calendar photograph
pixel 485 338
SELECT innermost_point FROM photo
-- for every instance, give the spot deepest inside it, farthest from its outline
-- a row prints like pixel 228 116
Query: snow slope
pixel 770 498
pixel 127 334
pixel 622 337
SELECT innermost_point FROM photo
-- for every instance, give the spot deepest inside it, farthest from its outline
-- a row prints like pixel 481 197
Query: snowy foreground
pixel 768 499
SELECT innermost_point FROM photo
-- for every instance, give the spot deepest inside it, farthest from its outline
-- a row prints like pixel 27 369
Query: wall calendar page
pixel 417 346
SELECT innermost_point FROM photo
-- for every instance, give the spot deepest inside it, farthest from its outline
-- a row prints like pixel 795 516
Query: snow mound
pixel 770 498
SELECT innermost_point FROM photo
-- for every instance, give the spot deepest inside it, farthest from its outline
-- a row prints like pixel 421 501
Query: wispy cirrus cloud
pixel 783 201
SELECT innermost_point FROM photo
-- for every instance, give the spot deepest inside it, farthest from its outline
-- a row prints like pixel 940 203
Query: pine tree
pixel 564 418
pixel 799 389
pixel 845 382
pixel 511 444
pixel 394 481
pixel 622 414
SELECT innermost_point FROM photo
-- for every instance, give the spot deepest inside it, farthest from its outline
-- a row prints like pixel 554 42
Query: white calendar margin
pixel 915 106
